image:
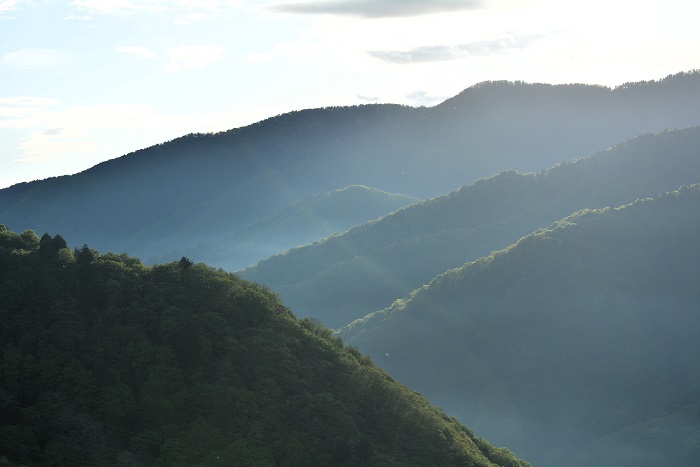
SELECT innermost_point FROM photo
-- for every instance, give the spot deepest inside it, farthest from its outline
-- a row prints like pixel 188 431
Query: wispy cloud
pixel 367 98
pixel 7 5
pixel 378 8
pixel 194 56
pixel 141 52
pixel 189 18
pixel 189 10
pixel 28 101
pixel 423 98
pixel 77 18
pixel 50 60
pixel 438 53
pixel 54 143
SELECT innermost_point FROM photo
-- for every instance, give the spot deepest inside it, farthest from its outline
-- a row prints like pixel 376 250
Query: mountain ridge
pixel 573 333
pixel 104 361
pixel 200 187
pixel 346 276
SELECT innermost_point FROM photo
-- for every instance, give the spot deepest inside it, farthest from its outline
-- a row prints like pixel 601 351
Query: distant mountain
pixel 579 341
pixel 201 188
pixel 344 277
pixel 311 219
pixel 104 361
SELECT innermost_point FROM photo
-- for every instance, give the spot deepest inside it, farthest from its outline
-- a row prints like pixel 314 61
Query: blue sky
pixel 89 80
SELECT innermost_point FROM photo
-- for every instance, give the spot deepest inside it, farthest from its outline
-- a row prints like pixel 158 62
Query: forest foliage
pixel 345 277
pixel 584 334
pixel 104 361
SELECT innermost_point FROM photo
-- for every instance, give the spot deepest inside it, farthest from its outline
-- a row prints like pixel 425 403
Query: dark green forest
pixel 577 345
pixel 345 277
pixel 105 361
pixel 204 187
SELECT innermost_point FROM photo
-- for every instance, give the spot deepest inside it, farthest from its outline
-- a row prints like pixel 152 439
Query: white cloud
pixel 187 19
pixel 77 18
pixel 257 58
pixel 141 52
pixel 189 8
pixel 28 101
pixel 119 6
pixel 52 144
pixel 7 5
pixel 423 98
pixel 438 53
pixel 50 60
pixel 378 8
pixel 300 49
pixel 194 56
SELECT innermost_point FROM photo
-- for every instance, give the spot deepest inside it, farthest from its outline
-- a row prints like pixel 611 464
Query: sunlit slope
pixel 203 187
pixel 573 334
pixel 104 361
pixel 345 277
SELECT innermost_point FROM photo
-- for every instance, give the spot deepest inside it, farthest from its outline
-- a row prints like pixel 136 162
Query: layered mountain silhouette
pixel 576 345
pixel 347 276
pixel 204 187
pixel 104 361
pixel 585 334
pixel 311 219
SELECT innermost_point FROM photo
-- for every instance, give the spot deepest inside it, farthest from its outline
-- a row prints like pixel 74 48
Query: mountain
pixel 203 187
pixel 365 269
pixel 583 334
pixel 105 361
pixel 300 224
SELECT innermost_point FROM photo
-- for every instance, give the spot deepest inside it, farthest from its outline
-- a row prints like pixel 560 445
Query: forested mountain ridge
pixel 585 334
pixel 308 220
pixel 346 276
pixel 104 361
pixel 204 187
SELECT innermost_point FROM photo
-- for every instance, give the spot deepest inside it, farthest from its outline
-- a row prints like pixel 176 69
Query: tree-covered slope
pixel 346 276
pixel 311 219
pixel 203 187
pixel 104 361
pixel 581 332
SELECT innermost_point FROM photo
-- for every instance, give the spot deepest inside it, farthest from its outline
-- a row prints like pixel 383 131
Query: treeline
pixel 577 345
pixel 104 361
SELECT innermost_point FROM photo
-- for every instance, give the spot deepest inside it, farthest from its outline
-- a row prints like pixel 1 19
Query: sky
pixel 85 81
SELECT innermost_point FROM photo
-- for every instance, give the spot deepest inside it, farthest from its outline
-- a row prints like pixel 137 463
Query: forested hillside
pixel 344 277
pixel 104 361
pixel 302 223
pixel 204 187
pixel 576 345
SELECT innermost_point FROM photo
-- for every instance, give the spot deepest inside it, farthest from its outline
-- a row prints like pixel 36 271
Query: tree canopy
pixel 104 361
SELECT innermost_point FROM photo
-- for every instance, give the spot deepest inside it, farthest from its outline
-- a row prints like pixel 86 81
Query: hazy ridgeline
pixel 344 277
pixel 577 344
pixel 203 188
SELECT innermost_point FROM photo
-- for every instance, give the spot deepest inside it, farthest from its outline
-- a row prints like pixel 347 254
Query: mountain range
pixel 104 361
pixel 347 276
pixel 524 255
pixel 584 334
pixel 300 224
pixel 204 187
